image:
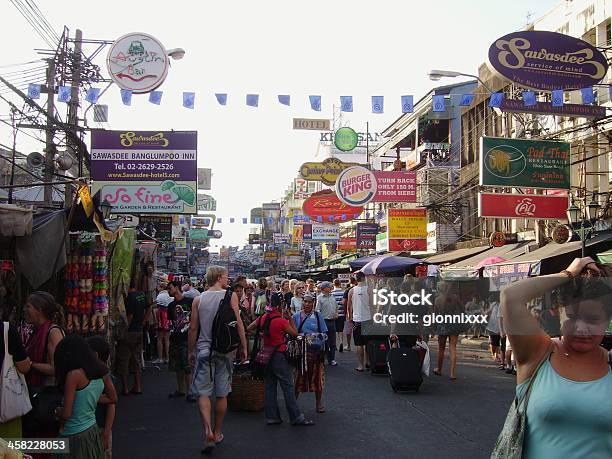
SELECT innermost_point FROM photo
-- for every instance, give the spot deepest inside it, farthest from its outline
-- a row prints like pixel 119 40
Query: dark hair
pixel 588 288
pixel 73 353
pixel 359 276
pixel 277 299
pixel 100 346
pixel 236 285
pixel 45 303
pixel 262 283
pixel 176 284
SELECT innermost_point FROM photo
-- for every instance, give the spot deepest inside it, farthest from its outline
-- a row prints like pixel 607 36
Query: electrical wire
pixel 29 18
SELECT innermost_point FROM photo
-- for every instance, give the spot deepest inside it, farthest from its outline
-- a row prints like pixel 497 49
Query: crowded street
pixel 281 229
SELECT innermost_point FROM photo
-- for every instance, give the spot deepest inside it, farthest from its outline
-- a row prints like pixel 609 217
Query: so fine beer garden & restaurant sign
pixel 146 171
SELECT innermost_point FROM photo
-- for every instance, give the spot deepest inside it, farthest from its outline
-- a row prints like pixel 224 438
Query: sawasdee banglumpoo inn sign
pixel 141 172
pixel 545 61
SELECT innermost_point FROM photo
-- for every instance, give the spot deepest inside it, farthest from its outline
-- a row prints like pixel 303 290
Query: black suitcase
pixel 377 354
pixel 405 369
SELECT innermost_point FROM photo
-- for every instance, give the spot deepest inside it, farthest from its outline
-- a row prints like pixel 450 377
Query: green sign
pixel 206 203
pixel 198 233
pixel 524 163
pixel 346 139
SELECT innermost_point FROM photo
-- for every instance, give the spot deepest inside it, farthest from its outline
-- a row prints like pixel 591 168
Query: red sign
pixel 407 245
pixel 395 186
pixel 522 206
pixel 347 244
pixel 326 204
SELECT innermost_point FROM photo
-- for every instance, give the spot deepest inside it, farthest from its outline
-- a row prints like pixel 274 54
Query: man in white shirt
pixel 327 306
pixel 358 312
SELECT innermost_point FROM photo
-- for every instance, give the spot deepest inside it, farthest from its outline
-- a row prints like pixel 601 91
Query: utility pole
pixel 50 147
pixel 73 113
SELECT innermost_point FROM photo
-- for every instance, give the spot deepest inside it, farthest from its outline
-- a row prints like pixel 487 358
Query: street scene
pixel 270 229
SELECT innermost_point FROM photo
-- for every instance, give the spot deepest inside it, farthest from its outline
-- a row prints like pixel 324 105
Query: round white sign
pixel 138 62
pixel 356 186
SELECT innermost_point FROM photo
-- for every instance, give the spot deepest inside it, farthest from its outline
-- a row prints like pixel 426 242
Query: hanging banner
pixel 155 227
pixel 547 61
pixel 326 171
pixel 521 206
pixel 407 229
pixel 524 163
pixel 366 235
pixel 145 171
pixel 137 62
pixel 325 205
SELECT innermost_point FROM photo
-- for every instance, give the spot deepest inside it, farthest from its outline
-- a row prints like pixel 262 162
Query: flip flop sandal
pixel 219 439
pixel 321 409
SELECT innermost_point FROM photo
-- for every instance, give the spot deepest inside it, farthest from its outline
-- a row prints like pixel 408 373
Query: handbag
pixel 45 400
pixel 509 444
pixel 14 397
pixel 261 355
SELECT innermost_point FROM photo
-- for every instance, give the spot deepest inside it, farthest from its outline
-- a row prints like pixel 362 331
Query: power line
pixel 29 18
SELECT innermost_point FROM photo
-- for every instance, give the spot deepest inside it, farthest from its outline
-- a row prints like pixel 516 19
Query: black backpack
pixel 225 336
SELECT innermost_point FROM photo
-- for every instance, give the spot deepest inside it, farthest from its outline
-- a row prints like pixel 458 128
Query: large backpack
pixel 225 336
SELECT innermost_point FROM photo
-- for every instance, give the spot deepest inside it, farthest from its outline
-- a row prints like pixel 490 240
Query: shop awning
pixel 456 255
pixel 604 258
pixel 466 267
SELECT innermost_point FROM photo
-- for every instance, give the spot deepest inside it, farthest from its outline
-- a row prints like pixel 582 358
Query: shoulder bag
pixel 14 397
pixel 509 444
pixel 261 354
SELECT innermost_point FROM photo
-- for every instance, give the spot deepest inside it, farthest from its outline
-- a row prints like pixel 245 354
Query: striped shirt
pixel 338 295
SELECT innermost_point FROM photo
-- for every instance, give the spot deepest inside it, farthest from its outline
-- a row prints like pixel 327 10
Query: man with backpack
pixel 215 333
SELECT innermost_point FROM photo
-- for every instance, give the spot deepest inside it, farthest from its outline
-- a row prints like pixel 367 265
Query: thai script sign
pixel 545 61
pixel 407 229
pixel 522 206
pixel 524 163
pixel 138 62
pixel 326 171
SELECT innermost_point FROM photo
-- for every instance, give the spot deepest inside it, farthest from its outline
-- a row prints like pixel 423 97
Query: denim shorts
pixel 212 376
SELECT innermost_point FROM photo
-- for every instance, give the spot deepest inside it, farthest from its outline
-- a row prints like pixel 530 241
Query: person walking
pixel 327 306
pixel 359 314
pixel 338 294
pixel 298 298
pixel 348 325
pixel 163 325
pixel 493 329
pixel 276 323
pixel 448 304
pixel 568 380
pixel 179 313
pixel 212 376
pixel 311 325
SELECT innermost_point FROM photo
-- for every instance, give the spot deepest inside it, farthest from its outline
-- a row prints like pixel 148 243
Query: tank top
pixel 361 304
pixel 569 419
pixel 84 408
pixel 207 309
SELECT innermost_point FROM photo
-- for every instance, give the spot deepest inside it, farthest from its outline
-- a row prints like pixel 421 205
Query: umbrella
pixel 489 261
pixel 361 262
pixel 389 264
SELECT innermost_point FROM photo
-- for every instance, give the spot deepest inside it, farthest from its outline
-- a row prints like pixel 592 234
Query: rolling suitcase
pixel 377 353
pixel 405 369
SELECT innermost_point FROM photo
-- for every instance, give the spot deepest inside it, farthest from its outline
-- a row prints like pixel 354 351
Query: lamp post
pixel 436 75
pixel 588 212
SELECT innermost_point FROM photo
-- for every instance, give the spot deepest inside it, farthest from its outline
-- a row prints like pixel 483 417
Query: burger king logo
pixel 356 186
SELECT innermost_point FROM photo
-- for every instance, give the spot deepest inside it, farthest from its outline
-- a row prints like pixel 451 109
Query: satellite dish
pixel 63 161
pixel 35 159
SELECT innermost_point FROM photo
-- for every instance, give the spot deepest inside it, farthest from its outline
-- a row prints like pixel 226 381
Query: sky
pixel 320 47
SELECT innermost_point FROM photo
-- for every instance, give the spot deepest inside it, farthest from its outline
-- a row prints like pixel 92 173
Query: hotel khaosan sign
pixel 524 163
pixel 545 61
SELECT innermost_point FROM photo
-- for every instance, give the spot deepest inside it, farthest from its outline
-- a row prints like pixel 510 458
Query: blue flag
pixel 315 103
pixel 306 218
pixel 92 95
pixel 346 103
pixel 407 104
pixel 258 220
pixel 63 94
pixel 319 218
pixel 270 220
pixel 378 104
pixel 466 100
pixel 587 95
pixel 219 220
pixel 126 97
pixel 438 103
pixel 529 98
pixel 557 98
pixel 284 99
pixel 496 99
pixel 189 100
pixel 330 218
pixel 155 97
pixel 245 221
pixel 221 98
pixel 34 91
pixel 282 220
pixel 343 216
pixel 252 100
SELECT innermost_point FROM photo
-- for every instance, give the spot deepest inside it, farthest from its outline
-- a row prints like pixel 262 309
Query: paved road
pixel 364 418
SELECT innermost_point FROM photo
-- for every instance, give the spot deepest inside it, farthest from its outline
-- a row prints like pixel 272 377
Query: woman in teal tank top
pixel 83 378
pixel 569 411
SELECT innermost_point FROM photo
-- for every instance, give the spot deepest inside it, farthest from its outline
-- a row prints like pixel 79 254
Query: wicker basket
pixel 247 393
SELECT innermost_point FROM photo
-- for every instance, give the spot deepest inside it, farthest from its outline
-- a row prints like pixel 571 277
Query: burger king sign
pixel 356 186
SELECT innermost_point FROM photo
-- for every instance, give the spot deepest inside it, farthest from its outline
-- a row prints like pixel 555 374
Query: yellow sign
pixel 326 172
pixel 298 234
pixel 86 199
pixel 407 224
pixel 324 252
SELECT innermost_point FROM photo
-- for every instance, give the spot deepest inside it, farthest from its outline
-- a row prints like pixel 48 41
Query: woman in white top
pixel 298 298
pixel 358 313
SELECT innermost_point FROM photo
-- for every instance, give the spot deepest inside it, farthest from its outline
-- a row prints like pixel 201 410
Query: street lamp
pixel 436 75
pixel 575 214
pixel 176 53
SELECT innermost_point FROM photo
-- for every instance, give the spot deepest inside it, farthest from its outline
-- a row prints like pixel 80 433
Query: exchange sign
pixel 524 163
pixel 546 61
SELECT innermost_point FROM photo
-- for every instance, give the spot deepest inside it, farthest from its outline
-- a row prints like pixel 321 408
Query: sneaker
pixel 333 363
